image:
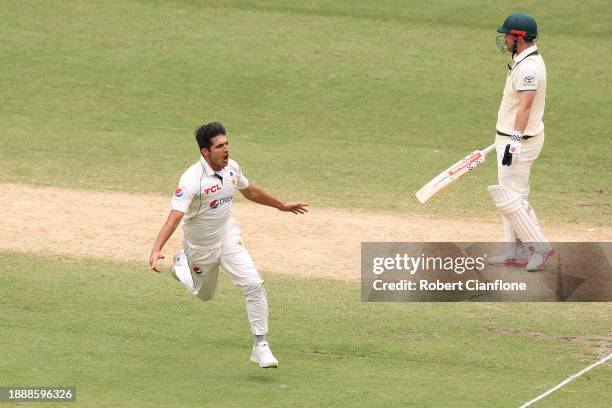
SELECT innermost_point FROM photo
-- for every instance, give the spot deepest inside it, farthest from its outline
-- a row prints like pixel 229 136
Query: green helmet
pixel 520 24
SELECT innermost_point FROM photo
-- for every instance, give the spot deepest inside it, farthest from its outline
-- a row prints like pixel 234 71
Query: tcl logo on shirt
pixel 212 189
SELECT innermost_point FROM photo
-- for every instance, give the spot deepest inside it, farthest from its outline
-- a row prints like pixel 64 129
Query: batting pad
pixel 509 239
pixel 510 206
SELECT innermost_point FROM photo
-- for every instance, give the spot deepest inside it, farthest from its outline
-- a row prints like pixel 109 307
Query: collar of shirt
pixel 209 171
pixel 518 58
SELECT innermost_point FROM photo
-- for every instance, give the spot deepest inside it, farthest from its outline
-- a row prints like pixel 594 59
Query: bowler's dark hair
pixel 206 133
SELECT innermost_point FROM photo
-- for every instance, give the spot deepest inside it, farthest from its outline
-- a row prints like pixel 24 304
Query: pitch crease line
pixel 567 380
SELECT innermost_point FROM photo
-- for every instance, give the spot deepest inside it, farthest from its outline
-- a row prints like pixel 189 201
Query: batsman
pixel 519 141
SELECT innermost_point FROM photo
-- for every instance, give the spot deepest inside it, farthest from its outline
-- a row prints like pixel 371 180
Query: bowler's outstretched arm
pixel 257 195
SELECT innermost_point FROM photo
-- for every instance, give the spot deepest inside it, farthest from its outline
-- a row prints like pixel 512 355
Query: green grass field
pixel 343 104
pixel 364 95
pixel 126 337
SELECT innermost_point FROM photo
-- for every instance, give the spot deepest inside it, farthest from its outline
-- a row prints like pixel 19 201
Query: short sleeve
pixel 242 181
pixel 184 195
pixel 526 78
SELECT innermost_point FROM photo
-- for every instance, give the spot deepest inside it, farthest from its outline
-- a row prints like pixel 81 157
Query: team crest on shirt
pixel 197 269
pixel 178 193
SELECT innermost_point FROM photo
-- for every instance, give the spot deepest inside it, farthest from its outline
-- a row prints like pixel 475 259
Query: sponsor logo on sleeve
pixel 529 81
pixel 178 193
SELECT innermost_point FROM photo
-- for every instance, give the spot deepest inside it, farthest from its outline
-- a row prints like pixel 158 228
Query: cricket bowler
pixel 211 237
pixel 519 141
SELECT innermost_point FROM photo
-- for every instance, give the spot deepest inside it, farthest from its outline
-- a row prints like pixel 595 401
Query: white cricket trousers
pixel 233 256
pixel 515 178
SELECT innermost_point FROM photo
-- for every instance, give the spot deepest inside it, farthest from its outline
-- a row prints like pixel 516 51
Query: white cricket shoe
pixel 262 355
pixel 180 271
pixel 507 261
pixel 538 260
pixel 516 255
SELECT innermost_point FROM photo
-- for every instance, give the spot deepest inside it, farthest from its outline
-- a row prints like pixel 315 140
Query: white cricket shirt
pixel 206 199
pixel 527 73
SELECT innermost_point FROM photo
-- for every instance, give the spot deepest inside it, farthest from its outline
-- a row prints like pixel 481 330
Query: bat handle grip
pixel 488 149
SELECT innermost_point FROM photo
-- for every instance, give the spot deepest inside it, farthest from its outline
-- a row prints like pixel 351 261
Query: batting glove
pixel 513 149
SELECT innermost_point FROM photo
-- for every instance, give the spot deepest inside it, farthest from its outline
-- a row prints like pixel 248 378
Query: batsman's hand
pixel 296 208
pixel 155 256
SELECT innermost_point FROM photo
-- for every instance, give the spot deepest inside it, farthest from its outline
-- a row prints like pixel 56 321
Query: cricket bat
pixel 452 174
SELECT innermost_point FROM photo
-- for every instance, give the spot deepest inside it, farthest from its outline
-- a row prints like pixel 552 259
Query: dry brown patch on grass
pixel 601 345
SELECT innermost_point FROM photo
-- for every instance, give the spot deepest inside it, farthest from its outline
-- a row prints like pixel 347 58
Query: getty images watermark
pixel 446 271
pixel 413 264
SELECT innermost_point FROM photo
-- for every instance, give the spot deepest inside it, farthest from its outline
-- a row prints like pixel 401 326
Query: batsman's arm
pixel 524 109
pixel 174 219
pixel 257 195
pixel 513 148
